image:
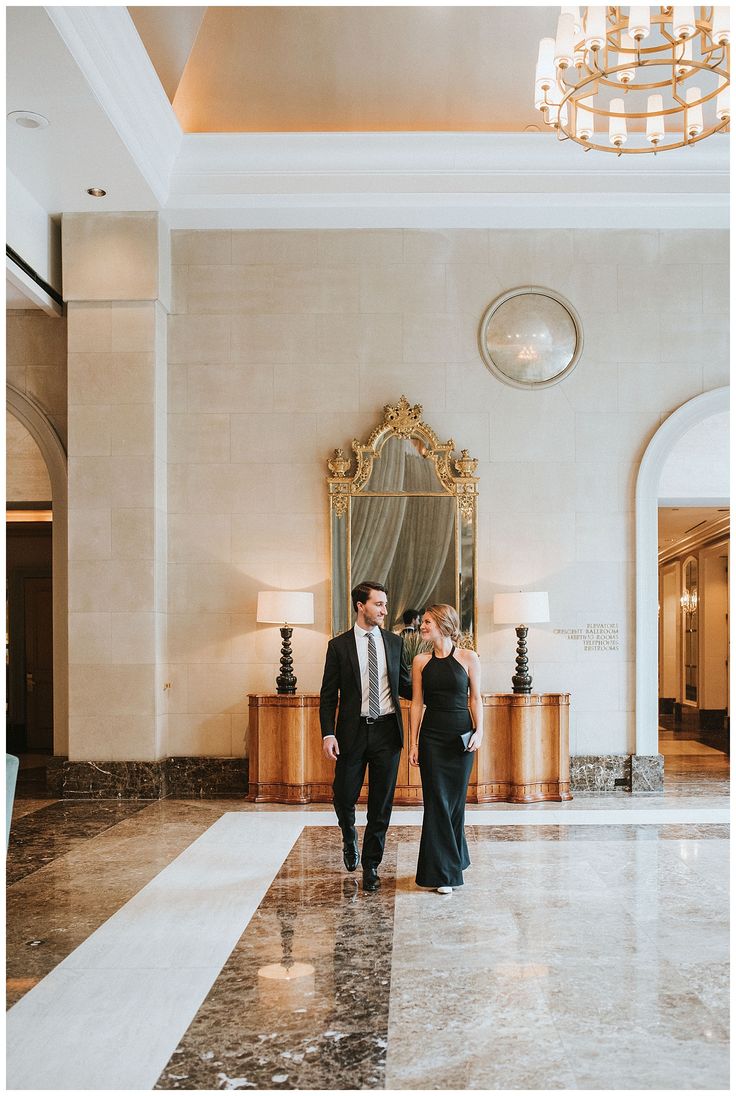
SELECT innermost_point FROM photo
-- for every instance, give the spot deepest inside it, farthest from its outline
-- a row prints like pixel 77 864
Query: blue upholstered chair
pixel 11 775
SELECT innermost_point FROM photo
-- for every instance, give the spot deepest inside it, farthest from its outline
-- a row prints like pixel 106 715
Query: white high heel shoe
pixel 444 890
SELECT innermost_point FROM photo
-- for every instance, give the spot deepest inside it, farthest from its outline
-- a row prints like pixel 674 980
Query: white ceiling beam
pixel 110 55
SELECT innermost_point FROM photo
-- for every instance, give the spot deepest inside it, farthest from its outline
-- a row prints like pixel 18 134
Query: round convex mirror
pixel 530 337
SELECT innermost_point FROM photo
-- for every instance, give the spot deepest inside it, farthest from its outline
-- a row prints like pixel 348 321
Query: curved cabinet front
pixel 525 757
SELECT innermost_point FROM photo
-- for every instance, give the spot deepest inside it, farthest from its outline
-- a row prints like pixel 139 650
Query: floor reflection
pixel 327 1029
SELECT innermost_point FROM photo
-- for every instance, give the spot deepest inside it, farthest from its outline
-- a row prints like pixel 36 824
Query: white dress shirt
pixel 384 689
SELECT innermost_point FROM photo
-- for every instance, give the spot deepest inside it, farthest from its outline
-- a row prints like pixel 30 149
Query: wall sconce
pixel 510 609
pixel 285 607
pixel 689 602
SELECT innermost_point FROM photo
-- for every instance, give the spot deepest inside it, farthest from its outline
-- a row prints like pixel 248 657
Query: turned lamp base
pixel 286 681
pixel 522 679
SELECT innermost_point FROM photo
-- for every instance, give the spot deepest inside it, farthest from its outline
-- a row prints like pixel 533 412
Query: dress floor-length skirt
pixel 445 770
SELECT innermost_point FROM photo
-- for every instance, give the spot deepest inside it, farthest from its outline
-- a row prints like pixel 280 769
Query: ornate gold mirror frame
pixel 390 521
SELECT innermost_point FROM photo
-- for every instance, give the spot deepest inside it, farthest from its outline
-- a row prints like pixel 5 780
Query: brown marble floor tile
pixel 52 910
pixel 23 806
pixel 45 835
pixel 328 1030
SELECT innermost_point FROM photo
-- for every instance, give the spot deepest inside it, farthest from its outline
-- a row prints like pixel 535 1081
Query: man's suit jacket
pixel 341 680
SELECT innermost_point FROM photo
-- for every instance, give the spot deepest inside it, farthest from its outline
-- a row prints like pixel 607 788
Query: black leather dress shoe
pixel 350 854
pixel 371 882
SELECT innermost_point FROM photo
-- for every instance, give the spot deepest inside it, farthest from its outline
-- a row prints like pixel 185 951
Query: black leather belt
pixel 381 719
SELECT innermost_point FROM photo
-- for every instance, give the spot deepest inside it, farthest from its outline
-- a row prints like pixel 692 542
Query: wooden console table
pixel 525 757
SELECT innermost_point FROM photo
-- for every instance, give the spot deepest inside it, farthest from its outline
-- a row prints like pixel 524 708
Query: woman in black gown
pixel 443 680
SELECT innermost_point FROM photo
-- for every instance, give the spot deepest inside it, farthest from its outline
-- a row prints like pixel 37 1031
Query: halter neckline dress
pixel 445 771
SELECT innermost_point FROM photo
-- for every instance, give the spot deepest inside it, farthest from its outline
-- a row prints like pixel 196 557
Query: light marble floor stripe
pixel 109 1015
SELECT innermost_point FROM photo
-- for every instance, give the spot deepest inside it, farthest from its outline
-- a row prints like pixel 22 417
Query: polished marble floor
pixel 198 945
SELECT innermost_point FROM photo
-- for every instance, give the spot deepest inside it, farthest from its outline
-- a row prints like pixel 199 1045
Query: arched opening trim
pixel 647 498
pixel 25 409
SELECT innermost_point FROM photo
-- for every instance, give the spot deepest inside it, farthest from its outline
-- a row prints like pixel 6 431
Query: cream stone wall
pixel 26 474
pixel 36 361
pixel 283 345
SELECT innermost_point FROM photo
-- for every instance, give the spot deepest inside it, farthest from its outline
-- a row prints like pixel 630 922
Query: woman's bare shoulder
pixel 421 659
pixel 468 657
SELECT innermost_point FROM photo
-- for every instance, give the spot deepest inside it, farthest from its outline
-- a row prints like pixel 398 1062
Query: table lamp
pixel 285 607
pixel 510 609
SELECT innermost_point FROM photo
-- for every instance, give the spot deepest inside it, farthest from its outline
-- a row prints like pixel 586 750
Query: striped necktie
pixel 374 703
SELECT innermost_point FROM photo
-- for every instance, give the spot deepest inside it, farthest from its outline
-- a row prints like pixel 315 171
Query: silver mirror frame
pixel 520 291
pixel 456 477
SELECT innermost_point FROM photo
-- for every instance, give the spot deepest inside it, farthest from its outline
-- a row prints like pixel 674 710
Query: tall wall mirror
pixel 403 512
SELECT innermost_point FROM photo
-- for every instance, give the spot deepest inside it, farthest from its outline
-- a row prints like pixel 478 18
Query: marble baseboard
pixel 610 772
pixel 180 777
pixel 647 773
pixel 55 776
pixel 206 777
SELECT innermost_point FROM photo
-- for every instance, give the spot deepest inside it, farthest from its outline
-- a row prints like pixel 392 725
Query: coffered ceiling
pixel 313 117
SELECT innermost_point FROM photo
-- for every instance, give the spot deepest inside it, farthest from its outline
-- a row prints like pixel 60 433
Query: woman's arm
pixel 416 709
pixel 476 704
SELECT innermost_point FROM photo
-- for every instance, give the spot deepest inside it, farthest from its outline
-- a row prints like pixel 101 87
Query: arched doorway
pixel 647 493
pixel 36 422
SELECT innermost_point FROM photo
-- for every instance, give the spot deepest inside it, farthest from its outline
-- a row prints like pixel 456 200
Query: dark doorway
pixel 29 626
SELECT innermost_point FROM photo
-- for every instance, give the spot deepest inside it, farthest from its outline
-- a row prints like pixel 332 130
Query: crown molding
pixel 718 530
pixel 537 155
pixel 110 55
pixel 367 180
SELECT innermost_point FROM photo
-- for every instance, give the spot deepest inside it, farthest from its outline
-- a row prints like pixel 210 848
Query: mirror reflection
pixel 413 555
pixel 404 515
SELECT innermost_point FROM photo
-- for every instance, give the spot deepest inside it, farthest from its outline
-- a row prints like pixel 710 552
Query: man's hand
pixel 330 747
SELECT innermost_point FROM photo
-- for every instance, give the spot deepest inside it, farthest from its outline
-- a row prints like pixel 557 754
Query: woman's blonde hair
pixel 446 619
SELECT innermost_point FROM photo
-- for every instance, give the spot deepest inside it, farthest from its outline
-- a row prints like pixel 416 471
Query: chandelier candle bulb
pixel 723 105
pixel 557 113
pixel 694 112
pixel 639 23
pixel 584 119
pixel 565 42
pixel 595 28
pixel 655 121
pixel 576 22
pixel 617 133
pixel 545 74
pixel 721 32
pixel 684 55
pixel 683 21
pixel 626 76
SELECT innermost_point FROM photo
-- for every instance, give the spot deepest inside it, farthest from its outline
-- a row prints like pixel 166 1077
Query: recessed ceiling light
pixel 27 119
pixel 96 192
pixel 532 129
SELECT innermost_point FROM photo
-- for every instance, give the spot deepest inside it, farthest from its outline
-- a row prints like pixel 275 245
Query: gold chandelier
pixel 652 80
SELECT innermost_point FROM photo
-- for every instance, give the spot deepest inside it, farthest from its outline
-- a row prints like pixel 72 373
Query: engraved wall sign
pixel 594 637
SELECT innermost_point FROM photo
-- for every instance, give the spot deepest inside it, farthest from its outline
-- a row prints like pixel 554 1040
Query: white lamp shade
pixel 584 120
pixel 694 113
pixel 617 126
pixel 639 22
pixel 683 21
pixel 545 71
pixel 576 22
pixel 565 41
pixel 723 105
pixel 521 608
pixel 722 25
pixel 655 120
pixel 595 27
pixel 285 607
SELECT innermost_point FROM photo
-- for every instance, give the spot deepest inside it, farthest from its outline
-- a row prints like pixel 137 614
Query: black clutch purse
pixel 465 740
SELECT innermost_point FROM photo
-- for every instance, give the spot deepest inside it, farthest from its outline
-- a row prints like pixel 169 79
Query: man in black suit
pixel 365 669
